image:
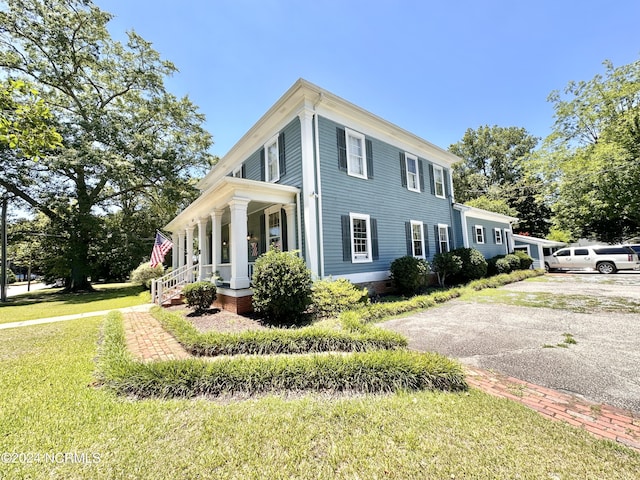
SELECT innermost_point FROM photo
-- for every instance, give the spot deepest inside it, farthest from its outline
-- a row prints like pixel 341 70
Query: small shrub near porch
pixel 281 286
pixel 200 295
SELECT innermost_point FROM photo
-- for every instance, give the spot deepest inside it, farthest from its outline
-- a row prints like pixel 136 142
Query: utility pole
pixel 3 234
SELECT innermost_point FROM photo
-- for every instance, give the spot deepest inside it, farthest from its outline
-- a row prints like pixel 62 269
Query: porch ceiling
pixel 219 195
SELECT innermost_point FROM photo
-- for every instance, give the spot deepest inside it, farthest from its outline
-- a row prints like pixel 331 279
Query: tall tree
pixel 593 155
pixel 122 131
pixel 496 168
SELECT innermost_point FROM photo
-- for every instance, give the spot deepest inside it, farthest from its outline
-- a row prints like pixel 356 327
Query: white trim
pixel 273 140
pixel 497 235
pixel 407 157
pixel 319 192
pixel 413 250
pixel 309 194
pixel 359 136
pixel 478 239
pixel 359 257
pixel 237 172
pixel 229 292
pixel 465 228
pixel 275 209
pixel 438 168
pixel 446 231
pixel 364 277
pixel 481 214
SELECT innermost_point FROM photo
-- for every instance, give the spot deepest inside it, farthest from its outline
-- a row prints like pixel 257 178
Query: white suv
pixel 603 258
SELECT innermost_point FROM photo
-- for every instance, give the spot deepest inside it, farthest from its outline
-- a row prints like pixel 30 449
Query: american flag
pixel 160 248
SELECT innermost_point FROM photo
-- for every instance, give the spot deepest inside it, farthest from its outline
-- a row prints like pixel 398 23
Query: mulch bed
pixel 219 320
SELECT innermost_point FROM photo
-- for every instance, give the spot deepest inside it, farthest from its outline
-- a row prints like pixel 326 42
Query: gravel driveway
pixel 527 342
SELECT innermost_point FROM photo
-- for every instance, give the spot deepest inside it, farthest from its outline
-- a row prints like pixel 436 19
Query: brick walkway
pixel 148 341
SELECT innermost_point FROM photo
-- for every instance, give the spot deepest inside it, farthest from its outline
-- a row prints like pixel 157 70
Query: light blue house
pixel 349 190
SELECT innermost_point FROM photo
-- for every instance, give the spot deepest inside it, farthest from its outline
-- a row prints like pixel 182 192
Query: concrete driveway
pixel 496 332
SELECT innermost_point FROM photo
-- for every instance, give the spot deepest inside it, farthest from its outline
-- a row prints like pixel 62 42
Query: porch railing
pixel 169 286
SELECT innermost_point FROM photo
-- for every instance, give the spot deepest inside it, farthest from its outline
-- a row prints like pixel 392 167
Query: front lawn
pixel 49 406
pixel 53 303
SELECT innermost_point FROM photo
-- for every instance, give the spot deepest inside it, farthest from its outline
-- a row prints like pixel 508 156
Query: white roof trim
pixel 479 213
pixel 538 241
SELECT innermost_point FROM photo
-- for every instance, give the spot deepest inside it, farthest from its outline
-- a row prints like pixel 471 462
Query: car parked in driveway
pixel 603 258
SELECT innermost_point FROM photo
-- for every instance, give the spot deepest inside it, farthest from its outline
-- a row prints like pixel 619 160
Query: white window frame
pixel 350 167
pixel 276 209
pixel 237 172
pixel 497 234
pixel 275 177
pixel 355 256
pixel 478 234
pixel 407 157
pixel 438 171
pixel 443 227
pixel 420 225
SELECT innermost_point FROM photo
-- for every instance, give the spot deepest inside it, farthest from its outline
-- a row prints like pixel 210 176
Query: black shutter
pixel 484 235
pixel 421 174
pixel 369 148
pixel 346 238
pixel 473 234
pixel 431 180
pixel 243 171
pixel 450 236
pixel 262 166
pixel 283 230
pixel 403 170
pixel 445 179
pixel 263 234
pixel 341 138
pixel 409 234
pixel 375 254
pixel 425 230
pixel 281 157
pixel 437 237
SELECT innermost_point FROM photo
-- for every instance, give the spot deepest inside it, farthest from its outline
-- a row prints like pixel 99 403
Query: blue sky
pixel 433 68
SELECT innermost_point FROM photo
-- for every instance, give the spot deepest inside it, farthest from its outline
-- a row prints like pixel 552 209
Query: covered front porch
pixel 221 234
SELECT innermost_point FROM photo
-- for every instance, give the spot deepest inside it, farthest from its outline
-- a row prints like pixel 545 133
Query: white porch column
pixel 216 235
pixel 239 252
pixel 174 251
pixel 290 211
pixel 189 262
pixel 180 249
pixel 309 194
pixel 202 245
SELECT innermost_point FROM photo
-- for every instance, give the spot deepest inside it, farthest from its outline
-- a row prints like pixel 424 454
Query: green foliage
pixel 525 260
pixel 446 264
pixel 497 205
pixel 11 277
pixel 474 265
pixel 378 371
pixel 508 263
pixel 200 295
pixel 503 279
pixel 281 286
pixel 331 297
pixel 145 273
pixel 513 260
pixel 126 141
pixel 410 275
pixel 312 339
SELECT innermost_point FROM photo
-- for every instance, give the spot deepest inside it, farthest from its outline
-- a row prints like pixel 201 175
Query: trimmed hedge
pixel 276 340
pixel 329 297
pixel 379 371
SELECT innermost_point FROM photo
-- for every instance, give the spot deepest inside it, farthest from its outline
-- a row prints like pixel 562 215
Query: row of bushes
pixel 378 371
pixel 356 337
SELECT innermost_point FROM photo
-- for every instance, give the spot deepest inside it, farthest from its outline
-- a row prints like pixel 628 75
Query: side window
pixel 438 180
pixel 478 233
pixel 497 235
pixel 356 154
pixel 563 253
pixel 417 239
pixel 360 238
pixel 443 237
pixel 413 181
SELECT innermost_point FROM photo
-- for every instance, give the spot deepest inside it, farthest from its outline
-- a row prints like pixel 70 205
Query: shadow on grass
pixel 56 295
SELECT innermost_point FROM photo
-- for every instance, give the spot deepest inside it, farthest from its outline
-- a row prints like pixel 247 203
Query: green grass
pixel 48 405
pixel 559 301
pixel 53 303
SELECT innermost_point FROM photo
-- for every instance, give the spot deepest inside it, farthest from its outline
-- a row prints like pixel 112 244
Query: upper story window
pixel 356 155
pixel 498 236
pixel 413 181
pixel 478 232
pixel 272 163
pixel 239 172
pixel 443 238
pixel 417 239
pixel 438 181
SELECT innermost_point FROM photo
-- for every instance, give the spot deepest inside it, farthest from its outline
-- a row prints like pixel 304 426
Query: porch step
pixel 179 300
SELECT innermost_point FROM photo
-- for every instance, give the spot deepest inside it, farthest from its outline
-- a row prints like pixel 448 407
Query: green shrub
pixel 525 260
pixel 410 275
pixel 446 264
pixel 474 265
pixel 514 261
pixel 379 371
pixel 331 297
pixel 11 277
pixel 200 295
pixel 277 340
pixel 281 286
pixel 144 273
pixel 502 266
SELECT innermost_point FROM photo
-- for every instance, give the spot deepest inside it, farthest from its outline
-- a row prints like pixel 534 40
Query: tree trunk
pixel 82 234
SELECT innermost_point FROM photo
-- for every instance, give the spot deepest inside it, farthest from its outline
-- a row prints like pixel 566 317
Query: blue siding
pixel 489 249
pixel 383 197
